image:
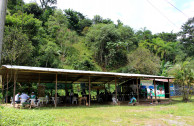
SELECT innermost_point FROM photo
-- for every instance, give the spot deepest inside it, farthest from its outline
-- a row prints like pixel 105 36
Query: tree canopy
pixel 49 37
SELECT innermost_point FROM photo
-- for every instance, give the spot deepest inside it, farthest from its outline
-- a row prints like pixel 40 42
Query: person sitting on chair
pixel 17 98
pixel 133 100
pixel 32 96
pixel 24 97
pixel 114 100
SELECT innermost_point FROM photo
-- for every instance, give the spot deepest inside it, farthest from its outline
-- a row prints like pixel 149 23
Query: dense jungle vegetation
pixel 48 37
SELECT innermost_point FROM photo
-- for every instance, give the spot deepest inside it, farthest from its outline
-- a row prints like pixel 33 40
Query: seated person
pixel 24 97
pixel 32 96
pixel 133 100
pixel 17 98
pixel 114 100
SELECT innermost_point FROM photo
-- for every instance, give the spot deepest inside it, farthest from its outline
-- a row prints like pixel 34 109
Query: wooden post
pixel 109 87
pixel 39 79
pixel 169 89
pixel 116 87
pixel 89 90
pixel 137 90
pixel 66 89
pixel 156 101
pixel 14 89
pixel 56 92
pixel 2 89
pixel 7 88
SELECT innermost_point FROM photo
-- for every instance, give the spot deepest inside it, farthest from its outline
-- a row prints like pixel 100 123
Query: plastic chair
pixel 114 100
pixel 53 100
pixel 41 100
pixel 22 101
pixel 32 103
pixel 74 99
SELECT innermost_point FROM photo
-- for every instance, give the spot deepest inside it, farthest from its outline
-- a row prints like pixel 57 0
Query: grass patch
pixel 178 113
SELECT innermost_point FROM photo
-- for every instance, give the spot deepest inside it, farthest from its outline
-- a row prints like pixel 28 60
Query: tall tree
pixel 33 8
pixel 184 76
pixel 143 61
pixel 168 37
pixel 187 36
pixel 15 5
pixel 144 34
pixel 107 45
pixel 17 48
pixel 77 21
pixel 47 3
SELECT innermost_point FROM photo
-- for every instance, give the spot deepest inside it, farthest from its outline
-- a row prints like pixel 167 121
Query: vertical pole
pixel 14 89
pixel 116 87
pixel 56 92
pixel 89 90
pixel 155 91
pixel 137 90
pixel 3 89
pixel 109 87
pixel 38 85
pixel 7 88
pixel 39 79
pixel 169 88
pixel 66 90
pixel 3 7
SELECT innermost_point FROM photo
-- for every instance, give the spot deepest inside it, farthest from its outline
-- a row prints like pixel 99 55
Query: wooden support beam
pixel 56 92
pixel 89 90
pixel 76 79
pixel 169 89
pixel 156 101
pixel 95 79
pixel 137 90
pixel 39 79
pixel 7 87
pixel 3 89
pixel 116 87
pixel 14 88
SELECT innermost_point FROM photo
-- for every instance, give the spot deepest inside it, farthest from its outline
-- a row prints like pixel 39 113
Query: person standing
pixel 151 95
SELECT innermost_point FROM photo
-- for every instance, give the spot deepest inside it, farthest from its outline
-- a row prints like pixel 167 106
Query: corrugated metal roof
pixel 42 69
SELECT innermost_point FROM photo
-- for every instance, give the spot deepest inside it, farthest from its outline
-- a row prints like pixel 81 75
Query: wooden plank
pixel 169 89
pixel 116 87
pixel 56 92
pixel 77 78
pixel 3 89
pixel 137 90
pixel 14 88
pixel 7 88
pixel 89 91
pixel 155 91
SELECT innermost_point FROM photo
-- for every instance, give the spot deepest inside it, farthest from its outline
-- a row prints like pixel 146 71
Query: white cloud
pixel 135 13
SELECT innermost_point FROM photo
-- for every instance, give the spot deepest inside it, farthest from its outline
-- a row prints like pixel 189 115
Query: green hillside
pixel 48 37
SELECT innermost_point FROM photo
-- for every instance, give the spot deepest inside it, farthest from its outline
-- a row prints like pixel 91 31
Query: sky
pixel 156 15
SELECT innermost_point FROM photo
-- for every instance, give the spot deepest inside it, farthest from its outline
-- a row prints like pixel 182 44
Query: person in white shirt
pixel 24 97
pixel 17 98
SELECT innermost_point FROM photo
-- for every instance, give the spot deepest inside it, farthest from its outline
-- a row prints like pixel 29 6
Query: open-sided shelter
pixel 64 76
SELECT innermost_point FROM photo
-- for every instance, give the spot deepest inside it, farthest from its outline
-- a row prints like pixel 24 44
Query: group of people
pixel 24 97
